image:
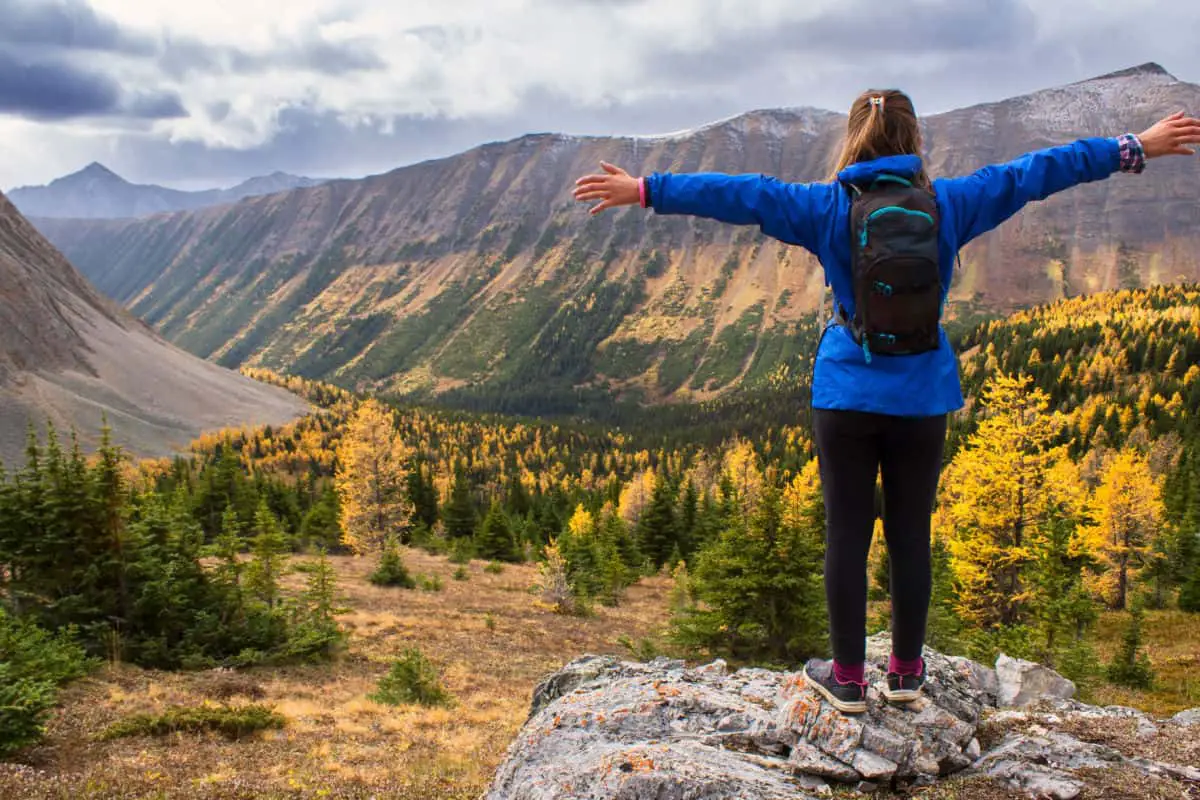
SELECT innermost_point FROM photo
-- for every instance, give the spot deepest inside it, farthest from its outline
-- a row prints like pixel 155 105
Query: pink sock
pixel 845 674
pixel 914 667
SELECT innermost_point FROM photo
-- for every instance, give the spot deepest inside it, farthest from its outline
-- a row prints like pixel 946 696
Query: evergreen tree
pixel 546 520
pixel 391 570
pixel 227 547
pixel 1131 665
pixel 1061 611
pixel 223 482
pixel 423 494
pixel 657 530
pixel 111 496
pixel 614 530
pixel 709 522
pixel 495 540
pixel 322 526
pixel 689 513
pixel 614 576
pixel 759 587
pixel 943 627
pixel 577 544
pixel 315 631
pixel 1185 554
pixel 172 623
pixel 1189 592
pixel 269 550
pixel 516 498
pixel 458 515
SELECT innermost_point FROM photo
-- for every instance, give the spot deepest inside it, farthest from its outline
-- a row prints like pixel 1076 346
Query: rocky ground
pixel 604 728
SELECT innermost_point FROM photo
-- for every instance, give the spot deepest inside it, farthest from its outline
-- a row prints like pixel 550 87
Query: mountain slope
pixel 73 356
pixel 479 271
pixel 96 192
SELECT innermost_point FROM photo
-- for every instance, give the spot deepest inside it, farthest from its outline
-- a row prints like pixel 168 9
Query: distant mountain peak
pixel 96 170
pixel 1150 68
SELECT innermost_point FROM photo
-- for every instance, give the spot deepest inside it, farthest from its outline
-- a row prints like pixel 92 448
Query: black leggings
pixel 852 448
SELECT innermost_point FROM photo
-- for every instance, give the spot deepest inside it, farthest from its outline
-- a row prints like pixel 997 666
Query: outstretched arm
pixel 983 200
pixel 787 211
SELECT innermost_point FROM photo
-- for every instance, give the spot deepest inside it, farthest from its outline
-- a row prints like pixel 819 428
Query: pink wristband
pixel 642 191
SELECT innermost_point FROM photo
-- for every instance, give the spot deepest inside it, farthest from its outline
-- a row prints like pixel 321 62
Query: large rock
pixel 1187 718
pixel 1050 764
pixel 604 728
pixel 1023 682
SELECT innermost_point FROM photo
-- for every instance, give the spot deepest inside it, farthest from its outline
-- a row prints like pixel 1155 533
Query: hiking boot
pixel 904 688
pixel 849 698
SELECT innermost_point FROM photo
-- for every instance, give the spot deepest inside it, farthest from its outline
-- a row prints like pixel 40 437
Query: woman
pixel 884 381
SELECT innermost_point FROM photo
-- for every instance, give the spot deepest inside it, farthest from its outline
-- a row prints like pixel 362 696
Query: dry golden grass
pixel 340 744
pixel 1172 641
pixel 337 742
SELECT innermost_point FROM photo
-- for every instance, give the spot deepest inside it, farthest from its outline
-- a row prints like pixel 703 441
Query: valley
pixel 472 277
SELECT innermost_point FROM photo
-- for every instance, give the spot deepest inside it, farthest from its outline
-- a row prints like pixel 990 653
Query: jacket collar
pixel 902 166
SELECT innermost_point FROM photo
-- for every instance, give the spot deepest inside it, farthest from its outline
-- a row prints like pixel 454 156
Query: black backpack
pixel 897 281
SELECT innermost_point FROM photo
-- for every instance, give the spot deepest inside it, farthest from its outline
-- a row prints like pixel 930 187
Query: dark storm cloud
pixel 31 27
pixel 51 90
pixel 66 24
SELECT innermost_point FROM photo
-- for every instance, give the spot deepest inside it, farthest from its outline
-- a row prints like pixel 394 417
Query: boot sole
pixel 902 696
pixel 846 707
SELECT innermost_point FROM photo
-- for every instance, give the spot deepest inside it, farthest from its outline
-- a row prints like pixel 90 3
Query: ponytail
pixel 881 123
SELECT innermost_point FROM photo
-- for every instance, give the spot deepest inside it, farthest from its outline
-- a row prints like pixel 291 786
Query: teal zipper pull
pixel 866 350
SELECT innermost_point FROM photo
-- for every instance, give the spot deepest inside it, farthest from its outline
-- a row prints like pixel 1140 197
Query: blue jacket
pixel 816 216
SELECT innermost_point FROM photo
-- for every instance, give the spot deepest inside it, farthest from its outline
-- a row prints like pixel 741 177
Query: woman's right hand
pixel 1171 136
pixel 615 187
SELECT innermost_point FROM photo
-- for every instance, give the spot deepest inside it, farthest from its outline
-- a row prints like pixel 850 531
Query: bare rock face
pixel 1023 682
pixel 73 357
pixel 605 728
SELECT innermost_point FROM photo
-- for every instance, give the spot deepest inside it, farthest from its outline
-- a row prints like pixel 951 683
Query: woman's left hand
pixel 615 187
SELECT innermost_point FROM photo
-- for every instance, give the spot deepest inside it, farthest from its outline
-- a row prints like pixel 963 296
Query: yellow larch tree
pixel 371 479
pixel 998 493
pixel 1129 512
pixel 740 465
pixel 635 495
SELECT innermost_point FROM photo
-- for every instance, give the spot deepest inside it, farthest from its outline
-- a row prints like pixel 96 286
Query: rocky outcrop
pixel 604 728
pixel 1023 683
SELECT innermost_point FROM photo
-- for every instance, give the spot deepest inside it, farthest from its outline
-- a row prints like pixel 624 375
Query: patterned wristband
pixel 642 191
pixel 1133 155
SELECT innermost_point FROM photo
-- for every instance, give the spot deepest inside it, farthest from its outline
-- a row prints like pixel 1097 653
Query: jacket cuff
pixel 1133 155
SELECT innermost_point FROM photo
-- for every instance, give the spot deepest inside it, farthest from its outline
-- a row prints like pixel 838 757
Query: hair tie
pixel 878 102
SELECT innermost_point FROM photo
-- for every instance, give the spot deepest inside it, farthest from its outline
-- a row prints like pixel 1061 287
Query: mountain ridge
pixel 97 192
pixel 72 356
pixel 478 270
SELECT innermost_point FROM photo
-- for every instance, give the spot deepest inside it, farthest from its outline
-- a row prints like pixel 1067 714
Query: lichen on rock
pixel 605 728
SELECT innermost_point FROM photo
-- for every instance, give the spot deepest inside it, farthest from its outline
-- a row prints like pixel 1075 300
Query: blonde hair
pixel 882 123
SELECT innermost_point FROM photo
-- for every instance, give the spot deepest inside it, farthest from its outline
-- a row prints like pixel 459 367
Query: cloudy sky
pixel 201 93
